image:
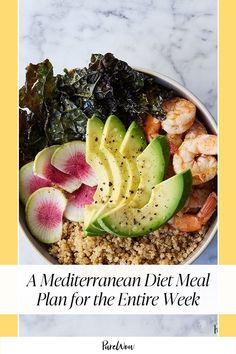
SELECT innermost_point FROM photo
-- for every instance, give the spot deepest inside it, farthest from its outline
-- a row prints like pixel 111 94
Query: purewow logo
pixel 106 345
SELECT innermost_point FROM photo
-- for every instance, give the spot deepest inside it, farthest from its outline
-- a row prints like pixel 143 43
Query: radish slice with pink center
pixel 70 158
pixel 76 202
pixel 44 169
pixel 29 183
pixel 44 214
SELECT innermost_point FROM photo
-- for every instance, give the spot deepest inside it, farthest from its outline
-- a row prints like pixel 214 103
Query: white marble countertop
pixel 177 38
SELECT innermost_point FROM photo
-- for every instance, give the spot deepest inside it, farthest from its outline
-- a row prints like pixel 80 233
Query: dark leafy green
pixel 65 122
pixel 55 109
pixel 32 136
pixel 39 86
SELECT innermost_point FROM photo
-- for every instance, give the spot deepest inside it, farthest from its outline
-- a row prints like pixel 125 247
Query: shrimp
pixel 180 115
pixel 196 129
pixel 191 222
pixel 174 140
pixel 196 155
pixel 151 127
pixel 203 144
pixel 197 198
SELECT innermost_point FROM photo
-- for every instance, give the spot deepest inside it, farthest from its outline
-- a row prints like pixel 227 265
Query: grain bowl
pixel 163 246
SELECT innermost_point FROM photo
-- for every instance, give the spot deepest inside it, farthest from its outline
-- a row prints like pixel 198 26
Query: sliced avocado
pixel 167 198
pixel 98 161
pixel 132 145
pixel 87 233
pixel 152 165
pixel 111 139
pixel 150 168
pixel 89 212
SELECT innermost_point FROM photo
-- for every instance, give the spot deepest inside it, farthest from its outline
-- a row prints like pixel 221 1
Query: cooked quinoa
pixel 164 246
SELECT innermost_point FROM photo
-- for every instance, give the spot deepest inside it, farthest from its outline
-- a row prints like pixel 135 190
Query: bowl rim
pixel 211 232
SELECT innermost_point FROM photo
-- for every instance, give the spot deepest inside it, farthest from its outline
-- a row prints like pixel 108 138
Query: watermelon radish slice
pixel 29 183
pixel 44 212
pixel 70 158
pixel 76 202
pixel 44 169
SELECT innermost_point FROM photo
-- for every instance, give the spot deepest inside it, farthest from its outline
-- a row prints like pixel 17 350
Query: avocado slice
pixel 96 158
pixel 111 139
pixel 167 198
pixel 99 163
pixel 151 166
pixel 89 212
pixel 132 145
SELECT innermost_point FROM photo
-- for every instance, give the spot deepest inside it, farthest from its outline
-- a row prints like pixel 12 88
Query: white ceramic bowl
pixel 208 121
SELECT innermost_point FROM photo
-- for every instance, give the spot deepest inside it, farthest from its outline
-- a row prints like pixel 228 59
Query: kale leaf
pixel 39 86
pixel 55 109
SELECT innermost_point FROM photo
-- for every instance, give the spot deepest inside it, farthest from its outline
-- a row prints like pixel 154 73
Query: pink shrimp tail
pixel 191 223
pixel 208 208
pixel 186 223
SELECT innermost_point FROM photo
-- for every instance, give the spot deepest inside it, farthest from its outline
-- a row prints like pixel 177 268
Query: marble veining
pixel 177 38
pixel 117 326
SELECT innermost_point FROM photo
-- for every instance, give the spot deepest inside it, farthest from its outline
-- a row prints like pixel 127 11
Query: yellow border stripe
pixel 227 244
pixel 227 325
pixel 8 140
pixel 8 147
pixel 8 325
pixel 227 132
